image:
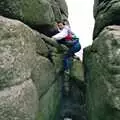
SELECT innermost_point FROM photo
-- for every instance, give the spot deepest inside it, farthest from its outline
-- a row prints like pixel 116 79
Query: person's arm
pixel 61 35
pixel 52 42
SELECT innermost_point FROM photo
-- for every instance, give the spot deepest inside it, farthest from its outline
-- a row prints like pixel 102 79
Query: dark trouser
pixel 67 58
pixel 74 47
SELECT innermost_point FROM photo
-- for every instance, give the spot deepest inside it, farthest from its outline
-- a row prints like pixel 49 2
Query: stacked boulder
pixel 30 63
pixel 29 67
pixel 102 63
pixel 35 13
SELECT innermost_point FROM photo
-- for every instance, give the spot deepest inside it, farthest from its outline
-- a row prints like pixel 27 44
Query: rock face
pixel 19 102
pixel 63 8
pixel 77 70
pixel 28 79
pixel 102 63
pixel 30 62
pixel 35 13
pixel 29 11
pixel 102 74
pixel 17 52
pixel 106 11
pixel 29 66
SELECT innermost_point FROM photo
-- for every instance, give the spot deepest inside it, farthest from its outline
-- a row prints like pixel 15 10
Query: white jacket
pixel 63 33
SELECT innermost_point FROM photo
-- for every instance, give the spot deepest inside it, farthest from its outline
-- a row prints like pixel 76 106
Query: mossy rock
pixel 31 12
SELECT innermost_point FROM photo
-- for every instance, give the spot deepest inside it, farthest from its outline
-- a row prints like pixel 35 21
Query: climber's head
pixel 60 25
pixel 66 22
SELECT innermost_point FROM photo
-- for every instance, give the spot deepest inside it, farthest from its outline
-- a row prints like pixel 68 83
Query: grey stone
pixel 63 7
pixel 49 102
pixel 77 70
pixel 41 46
pixel 43 74
pixel 106 13
pixel 56 10
pixel 19 102
pixel 31 12
pixel 17 51
pixel 102 73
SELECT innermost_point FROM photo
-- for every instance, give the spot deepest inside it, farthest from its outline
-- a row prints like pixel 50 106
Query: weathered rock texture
pixel 30 62
pixel 19 102
pixel 77 70
pixel 35 13
pixel 29 87
pixel 102 63
pixel 106 13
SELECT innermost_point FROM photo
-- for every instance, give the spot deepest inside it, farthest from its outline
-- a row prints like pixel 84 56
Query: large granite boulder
pixel 17 52
pixel 19 102
pixel 106 13
pixel 30 62
pixel 39 14
pixel 31 12
pixel 102 73
pixel 28 77
pixel 43 74
pixel 56 10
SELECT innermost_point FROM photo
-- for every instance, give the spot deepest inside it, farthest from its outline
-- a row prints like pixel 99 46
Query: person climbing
pixel 68 38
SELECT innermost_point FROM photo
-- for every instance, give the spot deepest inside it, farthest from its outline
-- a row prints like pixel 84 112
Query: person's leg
pixel 67 60
pixel 75 48
pixel 69 54
pixel 66 63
